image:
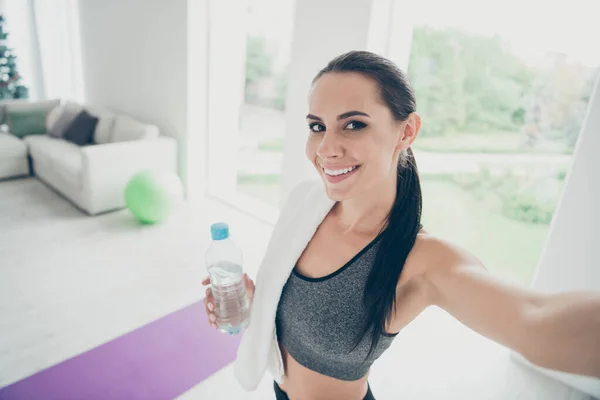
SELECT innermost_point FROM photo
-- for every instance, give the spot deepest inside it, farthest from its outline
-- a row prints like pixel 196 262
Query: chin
pixel 337 192
pixel 335 196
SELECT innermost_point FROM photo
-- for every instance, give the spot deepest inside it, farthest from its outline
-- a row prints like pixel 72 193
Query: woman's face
pixel 354 140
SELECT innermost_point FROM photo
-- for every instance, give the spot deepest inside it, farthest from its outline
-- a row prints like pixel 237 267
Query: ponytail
pixel 398 238
pixel 404 220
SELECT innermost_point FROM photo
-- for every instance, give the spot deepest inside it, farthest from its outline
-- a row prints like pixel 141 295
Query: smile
pixel 337 172
pixel 338 175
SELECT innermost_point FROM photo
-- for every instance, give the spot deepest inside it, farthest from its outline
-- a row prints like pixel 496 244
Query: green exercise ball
pixel 152 195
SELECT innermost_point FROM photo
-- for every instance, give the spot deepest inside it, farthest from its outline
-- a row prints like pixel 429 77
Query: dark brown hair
pixel 404 220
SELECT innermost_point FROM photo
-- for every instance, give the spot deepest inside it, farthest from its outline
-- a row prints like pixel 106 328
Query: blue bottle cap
pixel 219 231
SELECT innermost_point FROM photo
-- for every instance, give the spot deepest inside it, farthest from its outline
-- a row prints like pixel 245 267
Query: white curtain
pixel 57 26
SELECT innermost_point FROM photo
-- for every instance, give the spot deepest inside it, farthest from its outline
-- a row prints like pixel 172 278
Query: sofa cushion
pixel 68 113
pixel 127 128
pixel 26 105
pixel 104 128
pixel 26 122
pixel 11 146
pixel 52 117
pixel 63 157
pixel 81 130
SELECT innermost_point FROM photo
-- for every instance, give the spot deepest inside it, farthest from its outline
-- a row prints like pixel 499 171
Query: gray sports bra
pixel 319 319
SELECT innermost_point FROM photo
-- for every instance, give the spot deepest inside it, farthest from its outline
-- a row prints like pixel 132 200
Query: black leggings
pixel 281 395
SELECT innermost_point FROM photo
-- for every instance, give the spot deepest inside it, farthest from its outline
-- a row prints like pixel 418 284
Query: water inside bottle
pixel 232 308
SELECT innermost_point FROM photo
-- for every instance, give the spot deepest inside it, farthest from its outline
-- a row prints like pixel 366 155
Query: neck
pixel 367 213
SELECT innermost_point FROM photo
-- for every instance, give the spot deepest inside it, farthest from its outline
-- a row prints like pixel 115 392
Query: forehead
pixel 336 93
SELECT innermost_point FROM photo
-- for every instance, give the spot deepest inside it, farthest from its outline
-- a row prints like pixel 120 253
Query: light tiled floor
pixel 69 282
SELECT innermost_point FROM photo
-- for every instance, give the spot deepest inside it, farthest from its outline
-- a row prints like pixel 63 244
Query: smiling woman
pixel 353 157
pixel 367 268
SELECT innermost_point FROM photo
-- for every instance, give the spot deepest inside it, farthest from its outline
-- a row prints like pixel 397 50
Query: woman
pixel 370 268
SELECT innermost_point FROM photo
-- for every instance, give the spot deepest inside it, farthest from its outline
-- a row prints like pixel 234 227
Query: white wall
pixel 136 61
pixel 571 258
pixel 318 37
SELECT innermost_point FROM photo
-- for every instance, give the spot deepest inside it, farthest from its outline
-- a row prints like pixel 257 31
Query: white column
pixel 571 258
pixel 226 76
pixel 322 31
pixel 379 28
pixel 401 28
pixel 193 148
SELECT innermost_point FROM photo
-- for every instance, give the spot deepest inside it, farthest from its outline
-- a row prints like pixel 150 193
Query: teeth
pixel 335 172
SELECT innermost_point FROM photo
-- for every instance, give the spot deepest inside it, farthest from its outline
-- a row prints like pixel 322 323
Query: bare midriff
pixel 301 383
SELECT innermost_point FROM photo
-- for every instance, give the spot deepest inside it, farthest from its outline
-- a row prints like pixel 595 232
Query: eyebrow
pixel 339 117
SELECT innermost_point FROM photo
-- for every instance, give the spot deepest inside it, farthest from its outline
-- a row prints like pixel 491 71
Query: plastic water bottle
pixel 224 263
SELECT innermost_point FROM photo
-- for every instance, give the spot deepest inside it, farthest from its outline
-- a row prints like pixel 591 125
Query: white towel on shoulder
pixel 305 209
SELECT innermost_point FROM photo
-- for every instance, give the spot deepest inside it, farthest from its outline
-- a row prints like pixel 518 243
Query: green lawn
pixel 501 142
pixel 264 187
pixel 509 249
pixel 274 145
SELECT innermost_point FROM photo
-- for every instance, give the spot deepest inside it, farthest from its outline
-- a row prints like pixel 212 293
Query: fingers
pixel 248 283
pixel 212 320
pixel 209 301
pixel 209 306
pixel 250 288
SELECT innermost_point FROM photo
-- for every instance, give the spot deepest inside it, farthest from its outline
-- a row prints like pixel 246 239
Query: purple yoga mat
pixel 160 360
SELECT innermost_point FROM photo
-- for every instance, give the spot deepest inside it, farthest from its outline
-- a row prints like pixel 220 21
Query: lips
pixel 336 171
pixel 338 174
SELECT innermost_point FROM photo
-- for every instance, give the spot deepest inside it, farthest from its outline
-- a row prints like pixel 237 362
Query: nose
pixel 329 147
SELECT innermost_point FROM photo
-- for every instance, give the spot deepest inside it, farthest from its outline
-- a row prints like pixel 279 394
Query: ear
pixel 409 131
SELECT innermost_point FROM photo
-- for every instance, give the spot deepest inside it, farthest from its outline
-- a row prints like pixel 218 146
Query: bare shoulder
pixel 413 291
pixel 432 258
pixel 434 253
pixel 429 264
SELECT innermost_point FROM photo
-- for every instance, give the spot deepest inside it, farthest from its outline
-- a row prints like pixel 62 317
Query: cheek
pixel 372 148
pixel 378 154
pixel 311 149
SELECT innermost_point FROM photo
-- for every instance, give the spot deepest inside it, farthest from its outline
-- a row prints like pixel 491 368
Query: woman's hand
pixel 209 303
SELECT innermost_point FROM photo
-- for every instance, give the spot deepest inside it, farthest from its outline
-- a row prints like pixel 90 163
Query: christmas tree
pixel 10 87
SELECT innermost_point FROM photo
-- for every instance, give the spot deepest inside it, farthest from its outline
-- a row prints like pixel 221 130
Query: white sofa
pixel 13 157
pixel 93 177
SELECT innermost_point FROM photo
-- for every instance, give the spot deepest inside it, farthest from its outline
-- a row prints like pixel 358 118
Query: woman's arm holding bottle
pixel 210 305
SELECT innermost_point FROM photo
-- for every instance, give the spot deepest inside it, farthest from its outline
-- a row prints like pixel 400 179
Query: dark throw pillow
pixel 67 115
pixel 81 130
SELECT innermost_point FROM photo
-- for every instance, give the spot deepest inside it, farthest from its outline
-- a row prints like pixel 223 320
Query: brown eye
pixel 315 127
pixel 355 125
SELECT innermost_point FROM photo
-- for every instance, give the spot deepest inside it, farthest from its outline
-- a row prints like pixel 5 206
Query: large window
pixel 248 79
pixel 268 44
pixel 502 90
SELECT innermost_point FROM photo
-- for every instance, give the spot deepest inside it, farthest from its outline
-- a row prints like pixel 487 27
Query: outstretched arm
pixel 556 331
